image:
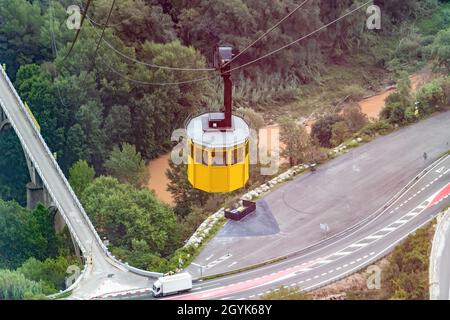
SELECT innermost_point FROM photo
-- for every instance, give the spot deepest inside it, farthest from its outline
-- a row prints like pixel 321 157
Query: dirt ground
pixel 372 106
pixel 158 180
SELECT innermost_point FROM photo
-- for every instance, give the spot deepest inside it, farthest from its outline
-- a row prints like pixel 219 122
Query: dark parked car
pixel 241 212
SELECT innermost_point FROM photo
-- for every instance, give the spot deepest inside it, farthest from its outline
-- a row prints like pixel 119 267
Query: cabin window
pixel 237 156
pixel 201 156
pixel 219 158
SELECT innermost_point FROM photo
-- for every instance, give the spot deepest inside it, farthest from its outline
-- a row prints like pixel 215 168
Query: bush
pixel 354 92
pixel 283 293
pixel 339 132
pixel 354 117
pixel 441 50
pixel 432 95
pixel 15 286
pixel 124 214
pixel 51 273
pixel 406 276
pixel 322 129
pixel 394 113
pixel 381 127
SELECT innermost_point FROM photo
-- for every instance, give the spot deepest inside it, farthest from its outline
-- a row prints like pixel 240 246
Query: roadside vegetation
pixel 405 275
pixel 103 127
pixel 283 293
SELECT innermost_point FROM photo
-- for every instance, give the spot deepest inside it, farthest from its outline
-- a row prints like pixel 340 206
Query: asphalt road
pixel 96 278
pixel 340 193
pixel 352 252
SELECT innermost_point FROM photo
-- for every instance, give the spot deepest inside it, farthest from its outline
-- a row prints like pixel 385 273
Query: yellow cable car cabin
pixel 218 159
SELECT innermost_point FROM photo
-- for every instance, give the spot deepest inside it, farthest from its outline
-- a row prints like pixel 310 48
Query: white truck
pixel 168 285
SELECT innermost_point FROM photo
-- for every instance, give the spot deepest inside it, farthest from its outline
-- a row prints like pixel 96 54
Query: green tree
pixel 90 118
pixel 399 11
pixel 394 113
pixel 20 25
pixel 137 20
pixel 321 130
pixel 184 194
pixel 127 165
pixel 295 141
pixel 339 132
pixel 254 119
pixel 81 176
pixel 398 102
pixel 123 213
pixel 50 273
pixel 25 234
pixel 14 286
pixel 158 111
pixel 354 117
pixel 440 49
pixel 192 221
pixel 13 168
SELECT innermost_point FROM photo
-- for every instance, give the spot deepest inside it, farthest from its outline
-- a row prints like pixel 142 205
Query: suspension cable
pixel 266 33
pixel 300 39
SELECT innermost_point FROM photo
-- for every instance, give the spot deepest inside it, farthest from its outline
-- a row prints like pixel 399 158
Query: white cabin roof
pixel 197 130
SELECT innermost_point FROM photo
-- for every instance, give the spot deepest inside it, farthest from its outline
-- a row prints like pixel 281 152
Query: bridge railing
pixel 68 186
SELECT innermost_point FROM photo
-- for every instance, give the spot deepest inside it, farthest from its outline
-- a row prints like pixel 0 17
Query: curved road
pixel 344 189
pixel 341 193
pixel 352 252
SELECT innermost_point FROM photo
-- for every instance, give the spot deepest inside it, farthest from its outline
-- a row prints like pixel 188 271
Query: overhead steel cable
pixel 266 33
pixel 141 82
pixel 104 28
pixel 147 64
pixel 79 30
pixel 300 39
pixel 151 65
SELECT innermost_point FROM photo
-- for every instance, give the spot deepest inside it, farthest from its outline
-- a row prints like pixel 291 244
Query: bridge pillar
pixel 35 195
pixel 4 122
pixel 36 192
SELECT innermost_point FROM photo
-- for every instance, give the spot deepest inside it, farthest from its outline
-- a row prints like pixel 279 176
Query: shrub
pixel 377 128
pixel 433 94
pixel 15 286
pixel 394 113
pixel 321 130
pixel 354 92
pixel 339 132
pixel 51 273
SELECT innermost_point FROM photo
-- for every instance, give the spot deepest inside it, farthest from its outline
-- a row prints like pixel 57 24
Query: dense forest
pixel 87 104
pixel 105 112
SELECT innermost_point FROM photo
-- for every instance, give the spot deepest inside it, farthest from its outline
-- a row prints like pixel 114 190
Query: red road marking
pixel 243 286
pixel 444 192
